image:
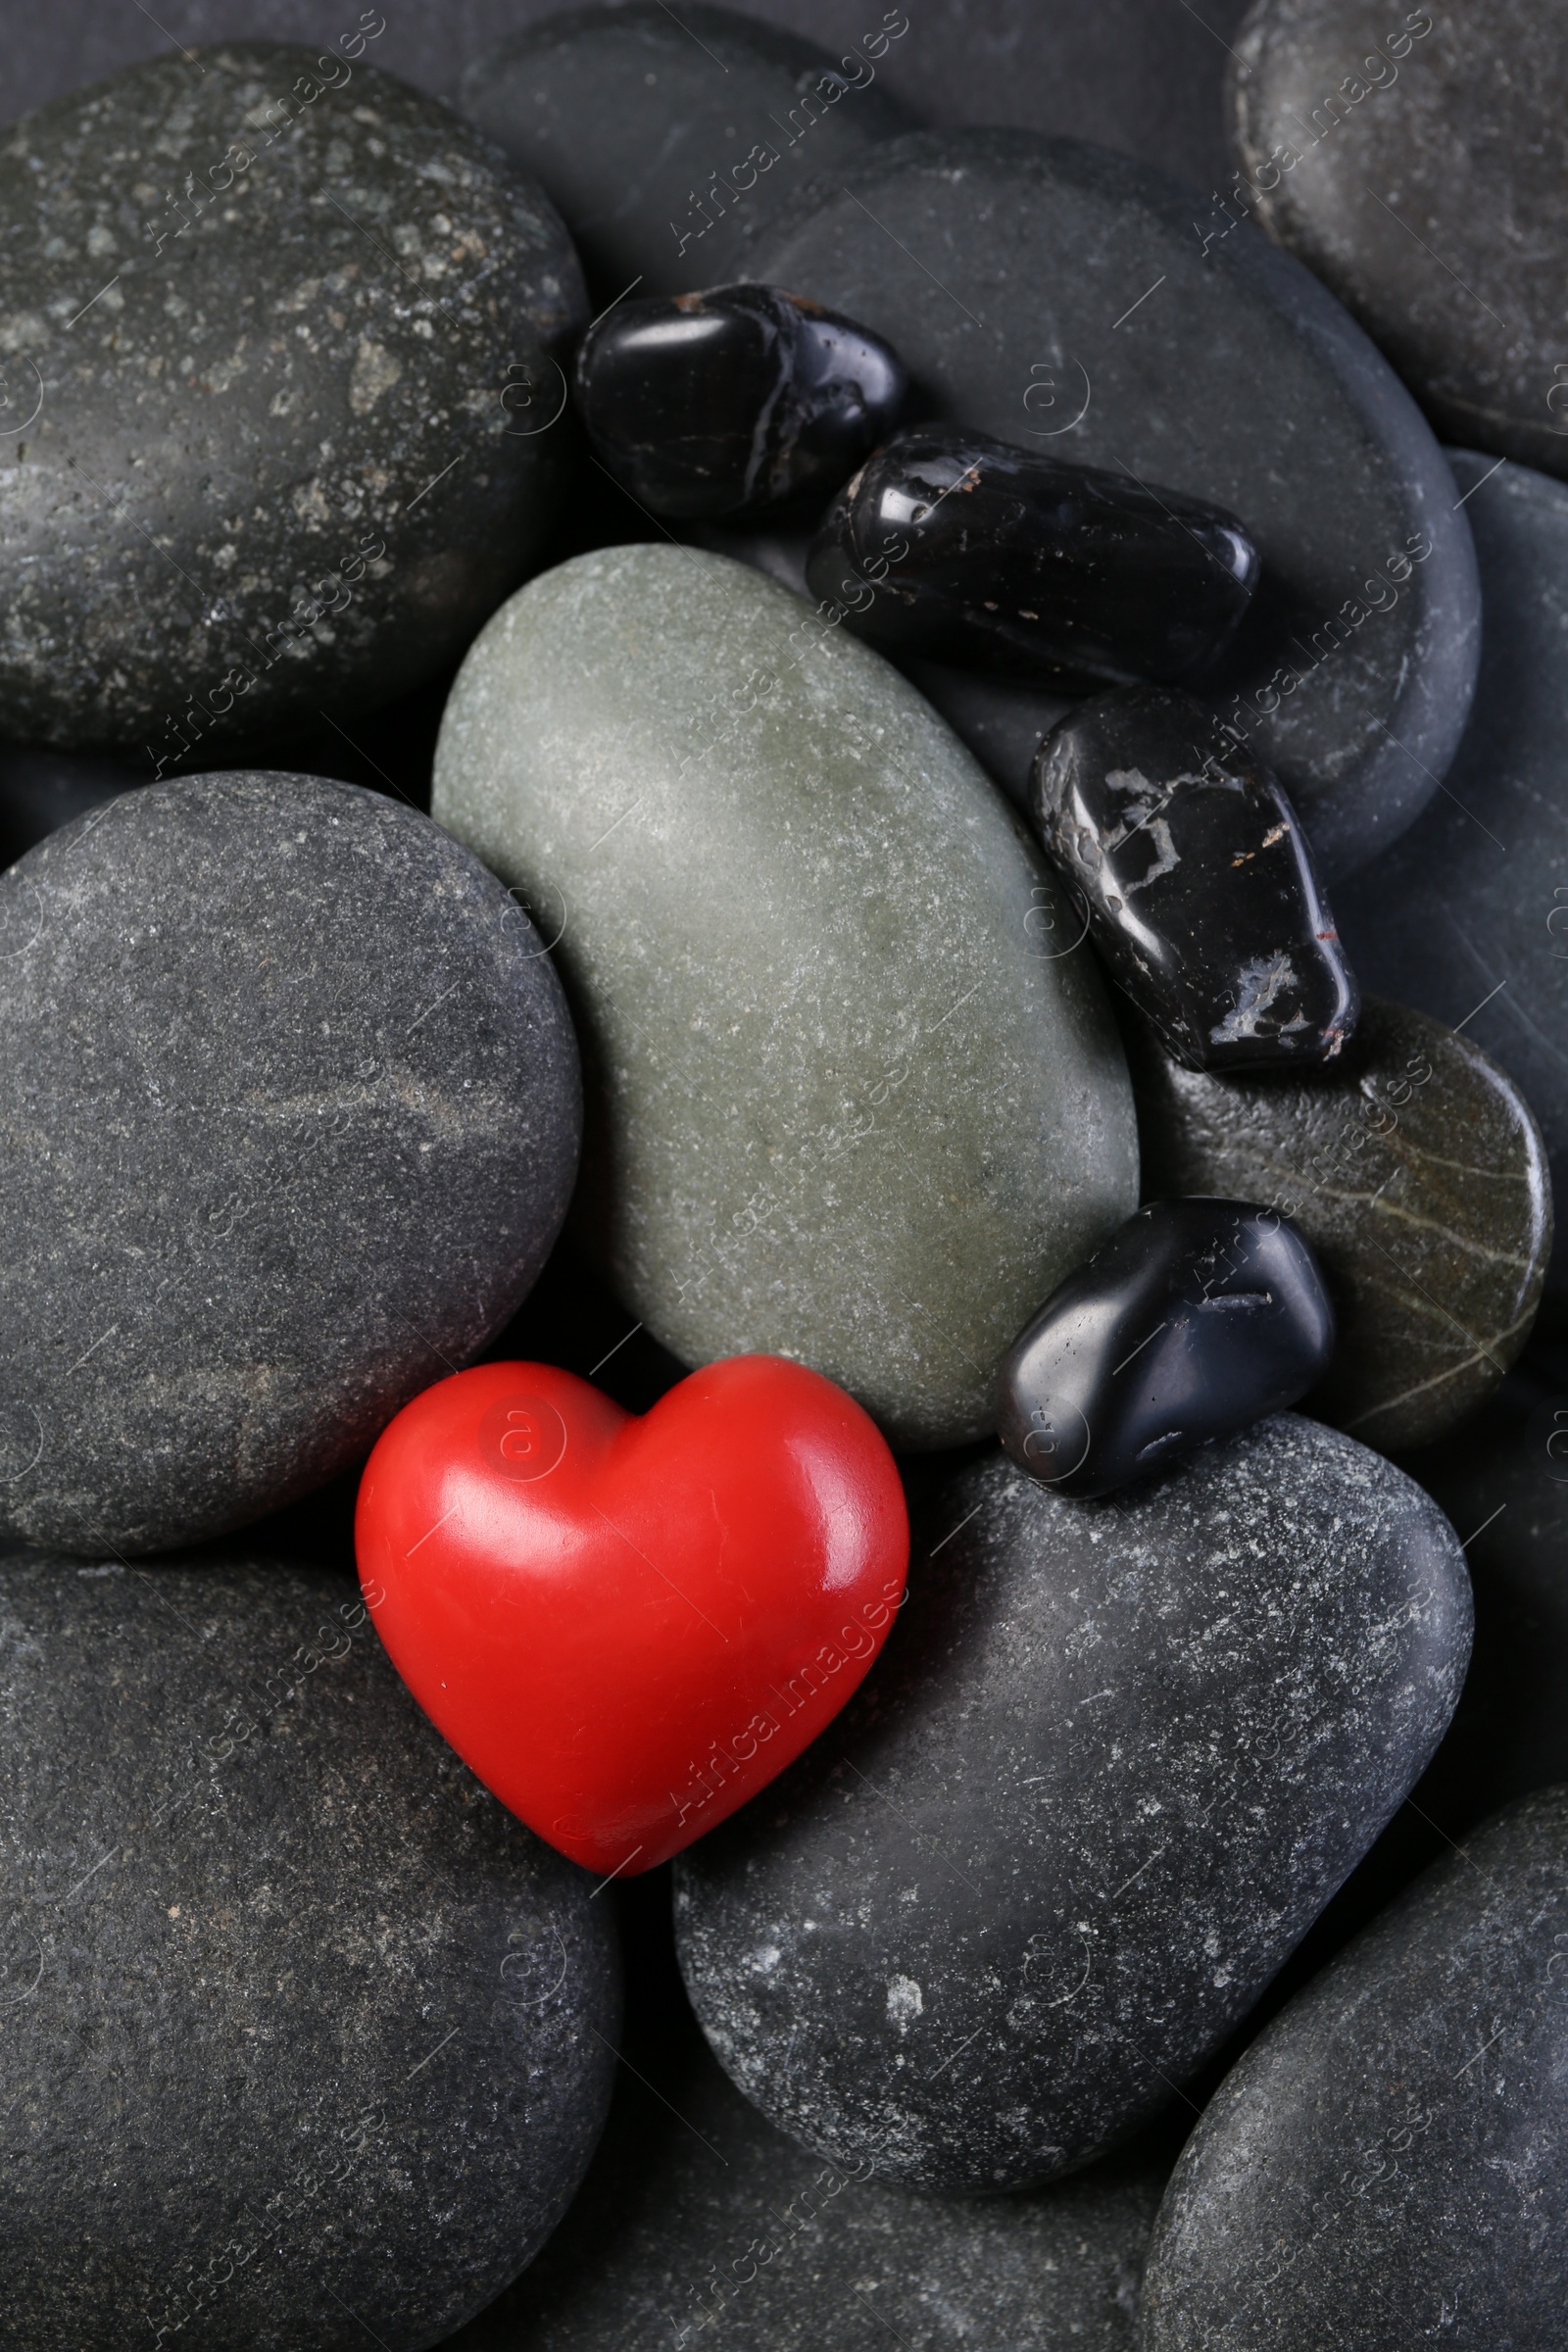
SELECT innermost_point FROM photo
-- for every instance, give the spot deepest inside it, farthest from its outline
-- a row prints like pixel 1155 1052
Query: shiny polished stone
pixel 967 550
pixel 1196 1318
pixel 1203 891
pixel 734 401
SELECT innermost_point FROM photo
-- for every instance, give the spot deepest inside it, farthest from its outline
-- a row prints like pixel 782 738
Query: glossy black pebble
pixel 1195 1319
pixel 734 401
pixel 960 548
pixel 1202 891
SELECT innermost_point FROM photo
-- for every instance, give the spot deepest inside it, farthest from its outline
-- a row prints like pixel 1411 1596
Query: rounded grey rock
pixel 1467 918
pixel 1386 2164
pixel 854 1092
pixel 665 137
pixel 290 1122
pixel 275 352
pixel 307 2040
pixel 699 2224
pixel 1112 1763
pixel 1410 158
pixel 1063 298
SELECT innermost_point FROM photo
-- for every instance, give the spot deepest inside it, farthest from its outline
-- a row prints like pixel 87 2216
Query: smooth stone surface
pixel 1468 918
pixel 699 2224
pixel 1054 294
pixel 1414 1168
pixel 1410 160
pixel 1202 889
pixel 974 551
pixel 1385 2164
pixel 1115 1759
pixel 42 789
pixel 226 502
pixel 734 401
pixel 666 138
pixel 1193 1320
pixel 290 1123
pixel 843 1103
pixel 306 2039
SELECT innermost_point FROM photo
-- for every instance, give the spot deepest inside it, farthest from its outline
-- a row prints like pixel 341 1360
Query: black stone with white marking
pixel 1113 1761
pixel 1203 891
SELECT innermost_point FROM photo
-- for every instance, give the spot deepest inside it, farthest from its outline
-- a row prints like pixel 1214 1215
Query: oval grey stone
pixel 307 2040
pixel 855 1094
pixel 666 136
pixel 1467 918
pixel 291 355
pixel 1385 2164
pixel 1409 160
pixel 290 1122
pixel 1112 1763
pixel 1061 296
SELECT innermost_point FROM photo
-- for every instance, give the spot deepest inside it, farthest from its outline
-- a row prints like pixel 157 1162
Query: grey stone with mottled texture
pixel 307 2040
pixel 1467 918
pixel 1055 294
pixel 666 136
pixel 1113 1762
pixel 258 325
pixel 289 1123
pixel 1387 2165
pixel 844 1103
pixel 700 2225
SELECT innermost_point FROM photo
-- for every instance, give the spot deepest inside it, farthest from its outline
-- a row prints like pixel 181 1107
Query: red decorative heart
pixel 628 1627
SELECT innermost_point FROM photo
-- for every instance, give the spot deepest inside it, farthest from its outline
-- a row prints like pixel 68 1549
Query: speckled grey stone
pixel 1057 295
pixel 1413 1166
pixel 1468 916
pixel 307 2040
pixel 289 1123
pixel 844 1103
pixel 1387 2165
pixel 637 120
pixel 1112 1763
pixel 1411 156
pixel 699 2225
pixel 246 378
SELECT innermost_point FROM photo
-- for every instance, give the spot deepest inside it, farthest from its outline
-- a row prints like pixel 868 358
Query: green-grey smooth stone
pixel 854 1095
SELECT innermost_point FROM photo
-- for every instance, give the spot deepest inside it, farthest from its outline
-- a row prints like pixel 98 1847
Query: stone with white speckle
pixel 1116 1759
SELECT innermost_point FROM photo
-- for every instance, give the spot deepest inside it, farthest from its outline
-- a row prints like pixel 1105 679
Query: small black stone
pixel 1203 894
pixel 735 400
pixel 1193 1320
pixel 966 549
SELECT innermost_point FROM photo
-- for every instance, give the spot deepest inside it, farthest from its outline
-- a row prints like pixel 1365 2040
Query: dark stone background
pixel 1140 75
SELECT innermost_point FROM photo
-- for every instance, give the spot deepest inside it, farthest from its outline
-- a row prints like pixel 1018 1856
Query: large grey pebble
pixel 1467 918
pixel 1387 2165
pixel 1413 158
pixel 666 136
pixel 845 1102
pixel 307 2040
pixel 289 1124
pixel 1055 294
pixel 1114 1761
pixel 700 2225
pixel 285 356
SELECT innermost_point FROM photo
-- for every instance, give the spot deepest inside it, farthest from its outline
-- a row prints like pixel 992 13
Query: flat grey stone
pixel 845 1104
pixel 1467 918
pixel 665 137
pixel 1114 1760
pixel 307 2040
pixel 275 453
pixel 1411 160
pixel 1055 294
pixel 1385 2165
pixel 700 2225
pixel 290 1122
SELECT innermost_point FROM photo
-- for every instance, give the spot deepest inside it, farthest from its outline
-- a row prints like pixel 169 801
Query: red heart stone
pixel 628 1627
